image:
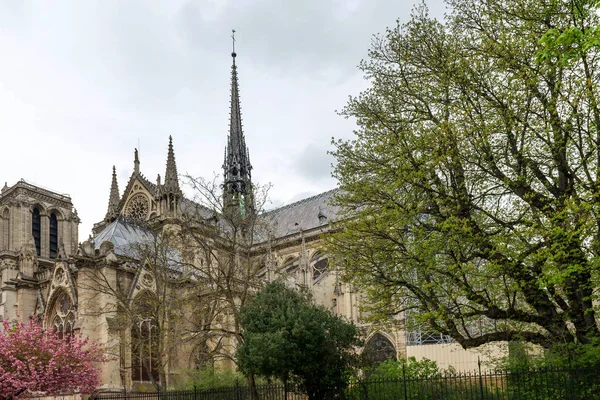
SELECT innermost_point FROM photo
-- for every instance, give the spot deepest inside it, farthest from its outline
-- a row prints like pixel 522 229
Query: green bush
pixel 413 379
pixel 209 378
pixel 409 368
pixel 565 371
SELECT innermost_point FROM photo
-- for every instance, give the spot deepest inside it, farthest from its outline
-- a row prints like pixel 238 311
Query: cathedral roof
pixel 123 235
pixel 304 215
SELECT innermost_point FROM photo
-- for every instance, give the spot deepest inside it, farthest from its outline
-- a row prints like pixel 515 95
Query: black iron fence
pixel 541 384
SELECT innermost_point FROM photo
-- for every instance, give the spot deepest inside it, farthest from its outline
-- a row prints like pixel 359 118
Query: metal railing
pixel 543 384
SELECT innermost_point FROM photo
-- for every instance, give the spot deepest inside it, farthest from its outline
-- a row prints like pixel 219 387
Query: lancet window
pixel 145 356
pixel 53 235
pixel 36 230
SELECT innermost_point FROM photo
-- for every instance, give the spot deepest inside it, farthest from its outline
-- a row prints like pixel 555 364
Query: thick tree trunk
pixel 252 387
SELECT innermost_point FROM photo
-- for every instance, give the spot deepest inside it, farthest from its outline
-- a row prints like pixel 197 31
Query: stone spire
pixel 114 199
pixel 237 168
pixel 171 178
pixel 169 194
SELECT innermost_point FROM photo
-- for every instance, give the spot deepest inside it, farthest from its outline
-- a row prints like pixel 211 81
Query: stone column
pixel 95 309
pixel 74 235
pixel 21 225
pixel 8 293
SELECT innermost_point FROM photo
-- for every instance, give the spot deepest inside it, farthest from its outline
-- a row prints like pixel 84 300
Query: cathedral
pixel 45 271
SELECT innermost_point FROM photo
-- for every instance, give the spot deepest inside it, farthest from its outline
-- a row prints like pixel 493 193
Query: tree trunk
pixel 252 387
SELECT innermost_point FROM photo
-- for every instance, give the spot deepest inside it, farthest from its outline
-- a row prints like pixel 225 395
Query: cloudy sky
pixel 83 82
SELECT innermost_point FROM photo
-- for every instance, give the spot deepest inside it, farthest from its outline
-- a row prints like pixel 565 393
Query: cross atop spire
pixel 113 200
pixel 233 39
pixel 237 168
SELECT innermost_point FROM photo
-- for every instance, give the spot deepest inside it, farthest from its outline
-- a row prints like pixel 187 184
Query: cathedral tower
pixel 237 185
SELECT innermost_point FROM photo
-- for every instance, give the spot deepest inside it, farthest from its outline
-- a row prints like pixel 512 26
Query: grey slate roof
pixel 123 235
pixel 193 208
pixel 302 215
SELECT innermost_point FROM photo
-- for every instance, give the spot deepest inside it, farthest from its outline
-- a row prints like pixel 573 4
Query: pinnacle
pixel 114 198
pixel 136 162
pixel 171 177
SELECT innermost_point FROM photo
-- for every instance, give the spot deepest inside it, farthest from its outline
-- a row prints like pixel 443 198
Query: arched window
pixel 63 319
pixel 144 351
pixel 53 235
pixel 320 267
pixel 378 349
pixel 36 230
pixel 145 357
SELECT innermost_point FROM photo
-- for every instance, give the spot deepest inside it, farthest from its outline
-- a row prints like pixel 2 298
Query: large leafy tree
pixel 471 191
pixel 288 337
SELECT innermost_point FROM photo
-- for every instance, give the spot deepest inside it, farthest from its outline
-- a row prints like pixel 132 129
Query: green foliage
pixel 288 337
pixel 470 193
pixel 567 44
pixel 405 368
pixel 209 378
pixel 523 356
pixel 414 379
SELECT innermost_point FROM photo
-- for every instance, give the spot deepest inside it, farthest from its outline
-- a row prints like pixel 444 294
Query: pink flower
pixel 34 360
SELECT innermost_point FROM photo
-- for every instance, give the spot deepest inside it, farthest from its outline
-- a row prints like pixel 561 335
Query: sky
pixel 83 83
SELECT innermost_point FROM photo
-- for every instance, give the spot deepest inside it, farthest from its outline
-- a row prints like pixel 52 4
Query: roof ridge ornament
pixel 136 161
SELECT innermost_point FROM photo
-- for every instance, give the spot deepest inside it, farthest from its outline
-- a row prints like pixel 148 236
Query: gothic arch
pixel 379 347
pixel 145 339
pixel 319 264
pixel 39 206
pixel 59 214
pixel 61 312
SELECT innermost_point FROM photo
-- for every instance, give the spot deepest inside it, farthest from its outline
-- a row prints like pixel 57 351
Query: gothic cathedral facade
pixel 43 267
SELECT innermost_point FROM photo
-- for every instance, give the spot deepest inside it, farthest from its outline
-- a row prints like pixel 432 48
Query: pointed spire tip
pixel 233 54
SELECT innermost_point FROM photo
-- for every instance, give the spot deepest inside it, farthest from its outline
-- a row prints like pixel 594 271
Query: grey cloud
pixel 308 37
pixel 313 163
pixel 86 80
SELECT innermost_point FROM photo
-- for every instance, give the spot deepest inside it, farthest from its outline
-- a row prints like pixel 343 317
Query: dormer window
pixel 322 218
pixel 36 230
pixel 53 236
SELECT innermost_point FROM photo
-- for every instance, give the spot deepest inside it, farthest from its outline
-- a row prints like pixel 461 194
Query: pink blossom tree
pixel 37 360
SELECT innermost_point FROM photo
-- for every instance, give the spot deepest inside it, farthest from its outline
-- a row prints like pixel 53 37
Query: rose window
pixel 138 207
